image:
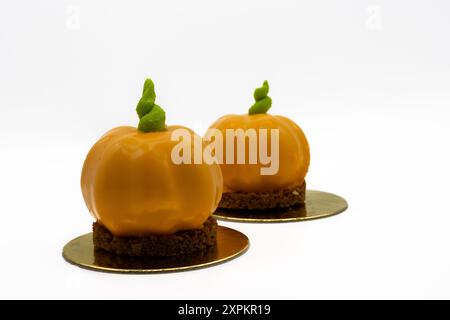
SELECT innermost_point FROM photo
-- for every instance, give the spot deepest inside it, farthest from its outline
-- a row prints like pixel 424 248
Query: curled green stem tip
pixel 262 101
pixel 151 116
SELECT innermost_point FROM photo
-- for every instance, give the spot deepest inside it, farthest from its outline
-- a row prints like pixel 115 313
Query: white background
pixel 368 81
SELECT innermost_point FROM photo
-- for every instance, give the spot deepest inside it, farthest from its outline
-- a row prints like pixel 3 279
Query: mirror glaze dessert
pixel 244 185
pixel 143 203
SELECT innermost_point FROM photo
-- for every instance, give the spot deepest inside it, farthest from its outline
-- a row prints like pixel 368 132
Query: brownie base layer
pixel 110 260
pixel 177 244
pixel 282 198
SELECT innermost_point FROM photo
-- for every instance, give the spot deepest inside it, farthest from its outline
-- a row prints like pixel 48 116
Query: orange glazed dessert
pixel 143 203
pixel 253 185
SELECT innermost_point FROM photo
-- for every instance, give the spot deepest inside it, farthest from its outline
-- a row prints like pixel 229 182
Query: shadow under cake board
pixel 318 205
pixel 81 252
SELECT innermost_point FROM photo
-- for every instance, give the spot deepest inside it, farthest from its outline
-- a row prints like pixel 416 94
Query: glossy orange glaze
pixel 131 186
pixel 294 154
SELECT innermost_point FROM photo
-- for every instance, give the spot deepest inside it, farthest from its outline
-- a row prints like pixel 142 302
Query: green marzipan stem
pixel 262 101
pixel 152 117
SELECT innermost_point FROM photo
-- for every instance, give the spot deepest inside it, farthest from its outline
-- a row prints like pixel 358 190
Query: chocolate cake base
pixel 110 260
pixel 181 243
pixel 282 198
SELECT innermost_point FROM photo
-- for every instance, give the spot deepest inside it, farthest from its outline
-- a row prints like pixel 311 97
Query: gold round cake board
pixel 80 251
pixel 318 205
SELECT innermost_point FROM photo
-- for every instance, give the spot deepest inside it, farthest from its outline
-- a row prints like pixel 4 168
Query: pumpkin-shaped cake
pixel 145 204
pixel 259 184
